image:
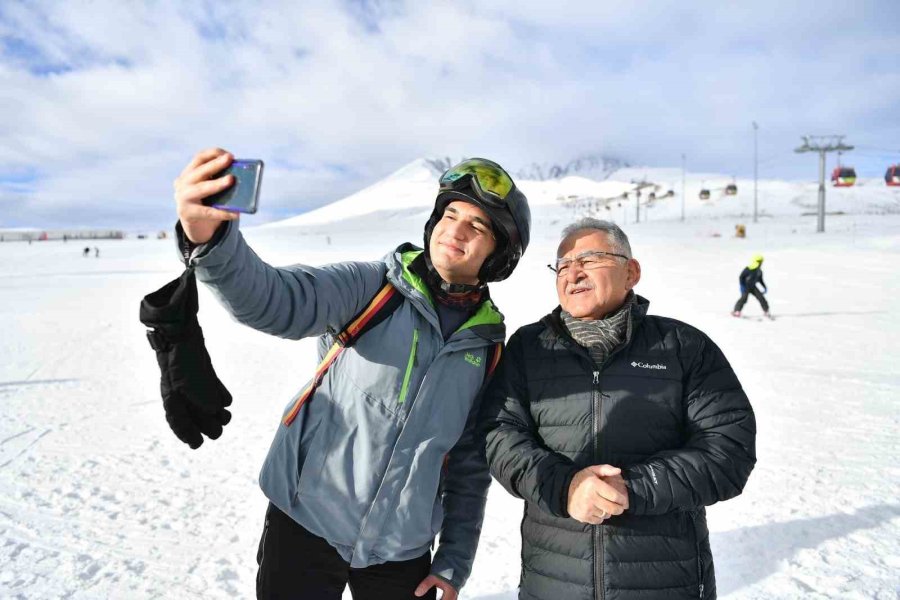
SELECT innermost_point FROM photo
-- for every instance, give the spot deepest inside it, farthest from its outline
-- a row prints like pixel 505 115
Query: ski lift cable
pixel 877 153
pixel 887 150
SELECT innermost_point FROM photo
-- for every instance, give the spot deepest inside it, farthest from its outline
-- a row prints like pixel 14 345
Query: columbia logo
pixel 473 360
pixel 643 365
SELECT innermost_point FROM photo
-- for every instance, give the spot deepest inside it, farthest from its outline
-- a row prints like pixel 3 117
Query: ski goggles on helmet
pixel 487 178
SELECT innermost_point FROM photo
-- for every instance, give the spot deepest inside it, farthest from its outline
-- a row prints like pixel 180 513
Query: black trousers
pixel 756 294
pixel 297 565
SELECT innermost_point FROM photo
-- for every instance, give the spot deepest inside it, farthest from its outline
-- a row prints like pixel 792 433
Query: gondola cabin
pixel 704 194
pixel 843 176
pixel 892 176
pixel 731 189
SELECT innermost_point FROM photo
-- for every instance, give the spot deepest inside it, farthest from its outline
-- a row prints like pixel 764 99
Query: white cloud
pixel 109 100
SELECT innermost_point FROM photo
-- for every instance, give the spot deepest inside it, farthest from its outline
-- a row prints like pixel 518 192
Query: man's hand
pixel 617 483
pixel 597 493
pixel 449 593
pixel 196 183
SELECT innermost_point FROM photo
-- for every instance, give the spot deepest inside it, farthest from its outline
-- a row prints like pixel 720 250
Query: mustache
pixel 579 287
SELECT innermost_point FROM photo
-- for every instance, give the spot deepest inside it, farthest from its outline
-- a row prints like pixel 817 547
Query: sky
pixel 104 103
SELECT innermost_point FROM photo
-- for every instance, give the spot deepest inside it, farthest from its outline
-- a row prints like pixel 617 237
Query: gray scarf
pixel 600 336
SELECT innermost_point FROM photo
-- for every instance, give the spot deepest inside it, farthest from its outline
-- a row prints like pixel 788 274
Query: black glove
pixel 193 397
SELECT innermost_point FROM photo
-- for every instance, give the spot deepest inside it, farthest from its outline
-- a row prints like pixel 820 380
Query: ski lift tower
pixel 638 186
pixel 822 144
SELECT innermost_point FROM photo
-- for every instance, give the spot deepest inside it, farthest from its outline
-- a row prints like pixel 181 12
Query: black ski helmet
pixel 510 219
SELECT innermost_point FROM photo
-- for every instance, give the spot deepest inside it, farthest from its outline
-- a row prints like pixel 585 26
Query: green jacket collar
pixel 487 322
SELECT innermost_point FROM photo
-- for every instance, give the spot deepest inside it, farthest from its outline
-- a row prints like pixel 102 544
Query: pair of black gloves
pixel 193 397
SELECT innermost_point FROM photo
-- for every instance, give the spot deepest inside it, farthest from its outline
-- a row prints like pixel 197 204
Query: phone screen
pixel 243 195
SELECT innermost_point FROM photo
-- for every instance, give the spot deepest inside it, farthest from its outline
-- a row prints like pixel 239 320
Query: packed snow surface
pixel 98 499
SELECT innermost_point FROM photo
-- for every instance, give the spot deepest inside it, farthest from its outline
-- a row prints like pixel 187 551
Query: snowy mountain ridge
pixel 592 166
pixel 411 190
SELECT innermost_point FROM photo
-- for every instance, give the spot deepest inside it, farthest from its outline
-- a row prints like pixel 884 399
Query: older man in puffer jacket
pixel 617 428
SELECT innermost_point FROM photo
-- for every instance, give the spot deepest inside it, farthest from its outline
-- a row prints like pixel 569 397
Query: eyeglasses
pixel 489 180
pixel 592 259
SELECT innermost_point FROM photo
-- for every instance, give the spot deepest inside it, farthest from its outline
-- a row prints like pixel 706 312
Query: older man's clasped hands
pixel 597 493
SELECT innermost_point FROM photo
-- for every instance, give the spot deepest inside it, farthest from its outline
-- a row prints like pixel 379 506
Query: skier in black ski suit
pixel 750 276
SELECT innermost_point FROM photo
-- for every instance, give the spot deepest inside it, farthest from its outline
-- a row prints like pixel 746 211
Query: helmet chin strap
pixel 458 288
pixel 451 293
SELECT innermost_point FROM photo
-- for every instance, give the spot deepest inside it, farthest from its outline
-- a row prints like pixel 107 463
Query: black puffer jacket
pixel 667 408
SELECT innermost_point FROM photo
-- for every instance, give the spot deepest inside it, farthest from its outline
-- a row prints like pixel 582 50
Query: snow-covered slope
pixel 408 187
pixel 99 500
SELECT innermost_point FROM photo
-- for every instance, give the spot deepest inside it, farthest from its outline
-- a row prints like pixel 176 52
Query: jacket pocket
pixel 410 364
pixel 379 369
pixel 312 454
pixel 437 515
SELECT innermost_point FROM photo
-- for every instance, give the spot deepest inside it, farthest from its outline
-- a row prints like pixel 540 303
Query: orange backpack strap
pixel 495 360
pixel 379 308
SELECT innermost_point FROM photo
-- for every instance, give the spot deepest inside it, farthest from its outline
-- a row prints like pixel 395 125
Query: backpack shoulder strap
pixel 377 310
pixel 385 302
pixel 496 353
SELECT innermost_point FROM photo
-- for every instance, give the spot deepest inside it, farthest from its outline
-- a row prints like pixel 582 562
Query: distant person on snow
pixel 87 251
pixel 750 276
pixel 383 456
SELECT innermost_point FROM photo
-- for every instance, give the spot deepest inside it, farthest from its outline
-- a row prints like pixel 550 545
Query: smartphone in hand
pixel 243 195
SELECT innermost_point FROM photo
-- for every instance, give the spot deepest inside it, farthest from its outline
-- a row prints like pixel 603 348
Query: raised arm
pixel 292 302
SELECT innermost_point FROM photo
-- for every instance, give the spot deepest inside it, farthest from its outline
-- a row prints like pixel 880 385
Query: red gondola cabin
pixel 843 176
pixel 892 176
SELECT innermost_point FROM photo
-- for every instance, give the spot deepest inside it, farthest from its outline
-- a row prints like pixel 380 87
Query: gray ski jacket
pixel 384 456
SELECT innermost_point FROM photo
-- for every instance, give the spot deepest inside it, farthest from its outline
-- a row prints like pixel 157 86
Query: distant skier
pixel 750 276
pixel 96 252
pixel 86 251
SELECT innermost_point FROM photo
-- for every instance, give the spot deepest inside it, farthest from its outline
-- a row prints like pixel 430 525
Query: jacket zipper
pixel 699 556
pixel 596 405
pixel 410 363
pixel 600 591
pixel 599 588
